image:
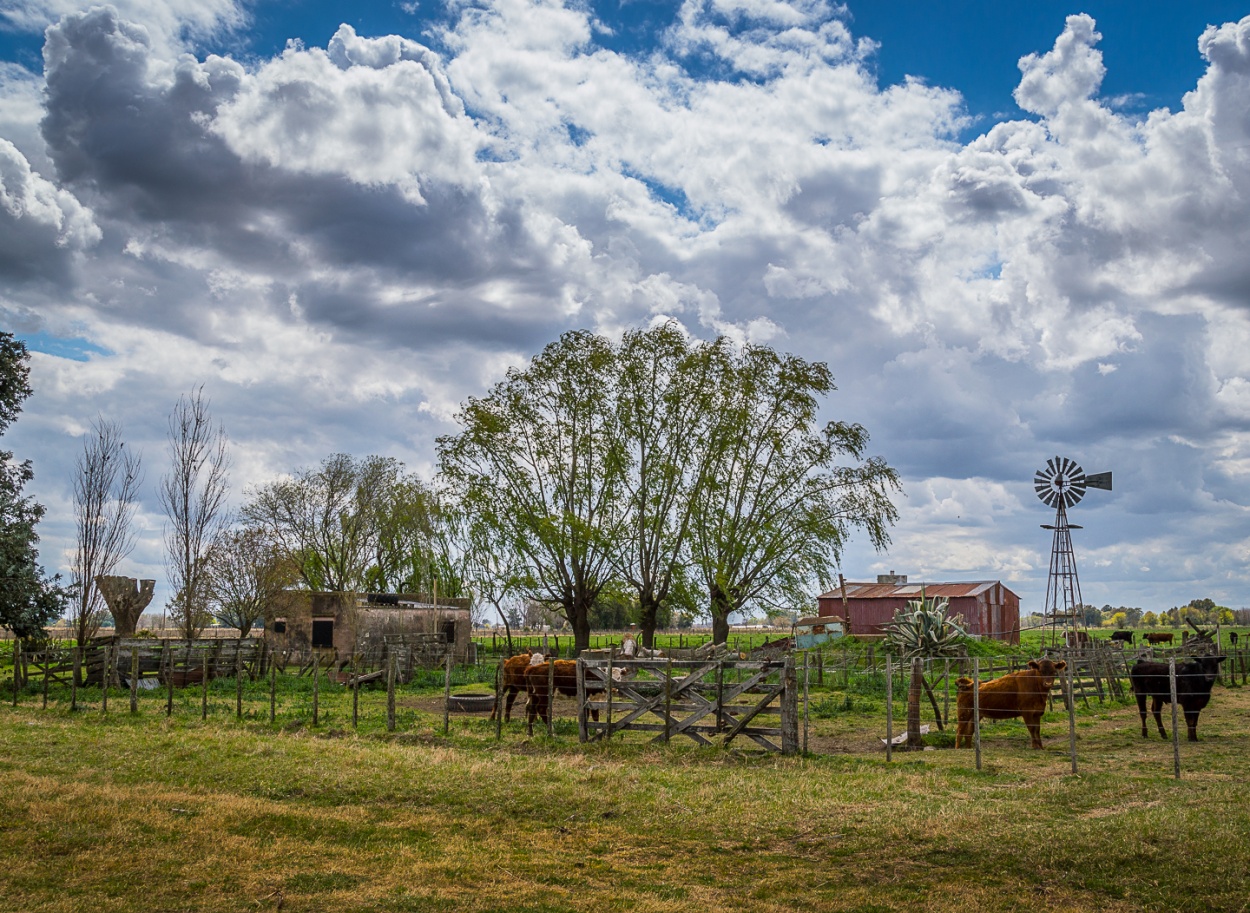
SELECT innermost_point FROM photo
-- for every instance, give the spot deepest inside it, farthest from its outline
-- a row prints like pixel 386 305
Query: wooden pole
pixel 204 684
pixel 134 679
pixel 47 668
pixel 273 691
pixel 73 687
pixel 607 733
pixel 238 680
pixel 104 681
pixel 946 687
pixel 551 698
pixel 582 711
pixel 498 700
pixel 447 695
pixel 167 656
pixel 806 678
pixel 17 667
pixel 1176 742
pixel 390 691
pixel 1071 718
pixel 355 689
pixel 889 709
pixel 976 708
pixel 720 695
pixel 316 672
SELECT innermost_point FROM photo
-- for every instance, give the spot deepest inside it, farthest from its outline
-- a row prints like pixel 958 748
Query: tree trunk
pixel 578 615
pixel 721 606
pixel 915 741
pixel 650 610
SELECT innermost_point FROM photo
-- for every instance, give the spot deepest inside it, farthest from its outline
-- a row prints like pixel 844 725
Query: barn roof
pixel 911 590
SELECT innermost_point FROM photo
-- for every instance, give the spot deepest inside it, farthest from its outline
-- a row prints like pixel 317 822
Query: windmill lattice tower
pixel 1062 484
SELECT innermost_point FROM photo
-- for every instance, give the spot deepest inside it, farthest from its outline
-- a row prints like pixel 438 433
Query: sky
pixel 1013 231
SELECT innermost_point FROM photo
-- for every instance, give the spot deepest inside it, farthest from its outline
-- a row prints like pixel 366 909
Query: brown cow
pixel 565 681
pixel 513 682
pixel 1021 694
pixel 1155 637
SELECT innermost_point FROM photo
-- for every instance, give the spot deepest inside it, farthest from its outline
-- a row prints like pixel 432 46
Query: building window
pixel 323 632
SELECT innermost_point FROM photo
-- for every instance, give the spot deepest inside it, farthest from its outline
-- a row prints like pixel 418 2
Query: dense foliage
pixel 28 599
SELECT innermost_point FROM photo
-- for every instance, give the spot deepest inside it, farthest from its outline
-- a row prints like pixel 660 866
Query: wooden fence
pixel 718 699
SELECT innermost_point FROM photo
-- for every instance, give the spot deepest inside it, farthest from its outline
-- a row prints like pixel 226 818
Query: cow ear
pixel 1033 665
pixel 1060 666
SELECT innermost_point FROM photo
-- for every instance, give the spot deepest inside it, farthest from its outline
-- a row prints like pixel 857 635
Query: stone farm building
pixel 354 622
pixel 989 608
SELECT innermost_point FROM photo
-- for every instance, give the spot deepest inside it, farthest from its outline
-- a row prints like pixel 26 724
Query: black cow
pixel 1124 637
pixel 1193 689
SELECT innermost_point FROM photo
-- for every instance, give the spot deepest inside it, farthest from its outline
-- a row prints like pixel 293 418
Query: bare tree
pixel 247 572
pixel 193 494
pixel 107 477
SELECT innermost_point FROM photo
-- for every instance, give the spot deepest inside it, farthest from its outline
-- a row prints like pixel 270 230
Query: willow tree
pixel 326 520
pixel 538 463
pixel 781 492
pixel 663 403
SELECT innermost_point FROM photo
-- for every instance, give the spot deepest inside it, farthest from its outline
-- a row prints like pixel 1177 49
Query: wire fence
pixel 846 701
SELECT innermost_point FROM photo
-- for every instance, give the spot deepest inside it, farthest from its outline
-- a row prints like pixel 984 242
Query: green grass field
pixel 114 812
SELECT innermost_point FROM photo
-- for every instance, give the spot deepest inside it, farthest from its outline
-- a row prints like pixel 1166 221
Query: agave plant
pixel 923 629
pixel 926 629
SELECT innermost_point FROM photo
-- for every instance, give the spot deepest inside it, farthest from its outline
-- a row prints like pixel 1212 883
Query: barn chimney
pixel 892 579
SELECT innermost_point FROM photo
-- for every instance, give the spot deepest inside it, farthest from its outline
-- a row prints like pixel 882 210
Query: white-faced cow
pixel 1021 694
pixel 1193 689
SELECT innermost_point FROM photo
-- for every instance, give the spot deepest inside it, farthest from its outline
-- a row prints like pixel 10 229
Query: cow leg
pixel 963 728
pixel 1141 708
pixel 1156 706
pixel 507 708
pixel 1191 723
pixel 1033 723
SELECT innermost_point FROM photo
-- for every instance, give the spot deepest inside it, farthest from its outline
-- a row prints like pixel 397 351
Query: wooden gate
pixel 702 700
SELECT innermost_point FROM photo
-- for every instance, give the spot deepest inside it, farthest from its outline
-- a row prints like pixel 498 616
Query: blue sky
pixel 1033 247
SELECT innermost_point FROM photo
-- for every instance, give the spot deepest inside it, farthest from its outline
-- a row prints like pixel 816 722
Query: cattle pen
pixel 840 698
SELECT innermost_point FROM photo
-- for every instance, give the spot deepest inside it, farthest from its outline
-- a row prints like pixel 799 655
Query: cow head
pixel 1047 669
pixel 537 659
pixel 1210 667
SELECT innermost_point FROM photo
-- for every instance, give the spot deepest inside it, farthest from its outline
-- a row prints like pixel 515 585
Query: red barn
pixel 989 608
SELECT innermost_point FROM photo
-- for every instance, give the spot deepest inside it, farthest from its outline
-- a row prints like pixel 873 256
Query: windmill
pixel 1061 484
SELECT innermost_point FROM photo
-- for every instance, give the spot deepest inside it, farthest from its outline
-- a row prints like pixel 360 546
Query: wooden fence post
pixel 976 708
pixel 447 695
pixel 73 688
pixel 582 711
pixel 204 684
pixel 1071 719
pixel 316 672
pixel 889 708
pixel 806 677
pixel 551 698
pixel 273 691
pixel 720 695
pixel 17 667
pixel 789 706
pixel 1176 742
pixel 390 691
pixel 498 696
pixel 104 681
pixel 355 689
pixel 668 700
pixel 134 679
pixel 607 733
pixel 167 660
pixel 238 680
pixel 47 668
